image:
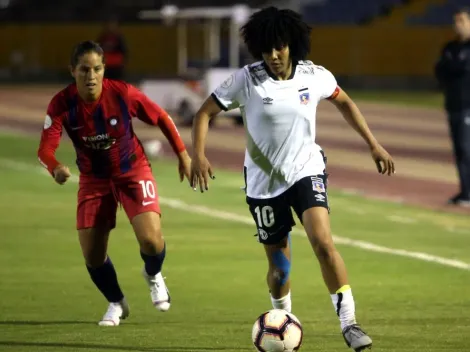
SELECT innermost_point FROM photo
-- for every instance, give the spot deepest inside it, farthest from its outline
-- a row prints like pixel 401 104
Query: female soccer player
pixel 284 167
pixel 97 115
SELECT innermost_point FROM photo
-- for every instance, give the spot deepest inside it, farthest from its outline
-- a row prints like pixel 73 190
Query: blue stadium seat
pixel 438 15
pixel 346 11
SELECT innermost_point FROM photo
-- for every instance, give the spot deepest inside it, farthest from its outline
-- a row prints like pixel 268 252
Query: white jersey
pixel 279 119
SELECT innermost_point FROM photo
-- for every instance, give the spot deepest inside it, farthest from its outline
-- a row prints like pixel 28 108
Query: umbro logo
pixel 267 100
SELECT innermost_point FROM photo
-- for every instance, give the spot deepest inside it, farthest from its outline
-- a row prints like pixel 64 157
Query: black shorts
pixel 273 216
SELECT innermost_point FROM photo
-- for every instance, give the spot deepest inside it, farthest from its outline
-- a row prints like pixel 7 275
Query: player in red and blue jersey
pixel 97 115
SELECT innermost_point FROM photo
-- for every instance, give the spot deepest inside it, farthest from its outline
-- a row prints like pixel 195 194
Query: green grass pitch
pixel 215 271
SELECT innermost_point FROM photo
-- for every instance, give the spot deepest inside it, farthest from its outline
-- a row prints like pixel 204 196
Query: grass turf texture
pixel 215 271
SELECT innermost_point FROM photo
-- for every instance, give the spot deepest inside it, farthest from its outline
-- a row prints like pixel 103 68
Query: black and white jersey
pixel 280 123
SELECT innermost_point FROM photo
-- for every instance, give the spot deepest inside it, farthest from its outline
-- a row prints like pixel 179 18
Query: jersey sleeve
pixel 328 83
pixel 233 92
pixel 151 113
pixel 50 135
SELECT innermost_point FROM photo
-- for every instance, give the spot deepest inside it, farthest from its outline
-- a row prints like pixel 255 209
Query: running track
pixel 417 138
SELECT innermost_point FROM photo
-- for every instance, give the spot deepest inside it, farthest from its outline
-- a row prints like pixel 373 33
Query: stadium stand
pixel 438 14
pixel 315 11
pixel 348 11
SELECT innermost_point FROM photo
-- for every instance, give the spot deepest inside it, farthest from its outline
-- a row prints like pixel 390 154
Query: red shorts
pixel 98 199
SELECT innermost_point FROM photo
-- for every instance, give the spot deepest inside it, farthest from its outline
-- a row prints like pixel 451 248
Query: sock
pixel 343 303
pixel 153 263
pixel 282 303
pixel 105 278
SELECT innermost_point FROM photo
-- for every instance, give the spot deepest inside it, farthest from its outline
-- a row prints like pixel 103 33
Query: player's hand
pixel 184 166
pixel 201 170
pixel 61 174
pixel 383 160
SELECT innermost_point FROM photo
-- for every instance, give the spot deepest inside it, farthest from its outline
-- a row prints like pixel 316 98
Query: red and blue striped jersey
pixel 102 132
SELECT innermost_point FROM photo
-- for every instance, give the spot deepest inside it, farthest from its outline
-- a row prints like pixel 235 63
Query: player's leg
pixel 274 221
pixel 96 217
pixel 455 122
pixel 148 231
pixel 138 194
pixel 278 277
pixel 310 201
pixel 464 157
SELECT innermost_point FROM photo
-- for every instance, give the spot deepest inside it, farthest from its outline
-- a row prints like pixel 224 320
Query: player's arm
pixel 226 97
pixel 441 68
pixel 352 115
pixel 447 68
pixel 201 169
pixel 209 109
pixel 50 139
pixel 356 120
pixel 152 114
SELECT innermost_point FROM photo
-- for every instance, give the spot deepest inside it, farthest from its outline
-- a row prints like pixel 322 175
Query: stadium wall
pixel 360 55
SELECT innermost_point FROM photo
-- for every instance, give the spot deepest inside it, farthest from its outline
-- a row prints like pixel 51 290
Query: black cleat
pixel 460 200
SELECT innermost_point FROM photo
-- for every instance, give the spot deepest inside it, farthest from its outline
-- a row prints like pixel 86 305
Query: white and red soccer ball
pixel 153 148
pixel 277 331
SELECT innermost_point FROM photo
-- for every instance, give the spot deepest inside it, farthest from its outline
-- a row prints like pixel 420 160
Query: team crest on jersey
pixel 318 186
pixel 113 121
pixel 305 98
pixel 47 122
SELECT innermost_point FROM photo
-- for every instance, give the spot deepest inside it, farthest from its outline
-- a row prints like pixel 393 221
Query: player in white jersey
pixel 284 167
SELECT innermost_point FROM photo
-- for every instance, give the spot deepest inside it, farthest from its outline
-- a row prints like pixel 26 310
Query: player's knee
pixel 151 241
pixel 93 242
pixel 324 247
pixel 148 232
pixel 94 260
pixel 319 234
pixel 280 268
pixel 95 256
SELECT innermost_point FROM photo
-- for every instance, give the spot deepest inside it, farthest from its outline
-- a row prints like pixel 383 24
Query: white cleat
pixel 158 291
pixel 114 314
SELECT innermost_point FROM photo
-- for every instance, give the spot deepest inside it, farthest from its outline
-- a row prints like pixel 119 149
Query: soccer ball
pixel 153 148
pixel 277 331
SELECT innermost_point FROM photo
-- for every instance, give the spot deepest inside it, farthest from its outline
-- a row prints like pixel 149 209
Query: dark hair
pixel 272 28
pixel 83 48
pixel 460 10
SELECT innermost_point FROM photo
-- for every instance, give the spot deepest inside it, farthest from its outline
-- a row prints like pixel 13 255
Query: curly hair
pixel 272 28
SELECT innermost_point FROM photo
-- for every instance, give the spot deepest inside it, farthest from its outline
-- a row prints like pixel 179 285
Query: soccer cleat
pixel 460 200
pixel 356 338
pixel 158 291
pixel 463 202
pixel 114 314
pixel 454 199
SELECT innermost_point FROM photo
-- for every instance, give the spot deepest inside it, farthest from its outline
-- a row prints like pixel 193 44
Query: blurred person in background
pixel 453 73
pixel 115 50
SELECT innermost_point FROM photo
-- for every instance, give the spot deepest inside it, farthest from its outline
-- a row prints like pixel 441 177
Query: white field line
pixel 402 219
pixel 223 215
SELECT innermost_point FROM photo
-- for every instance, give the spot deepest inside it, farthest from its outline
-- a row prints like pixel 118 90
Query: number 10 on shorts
pixel 148 189
pixel 265 216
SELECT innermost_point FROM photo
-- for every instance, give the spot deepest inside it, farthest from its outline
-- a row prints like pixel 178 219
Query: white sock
pixel 343 302
pixel 282 303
